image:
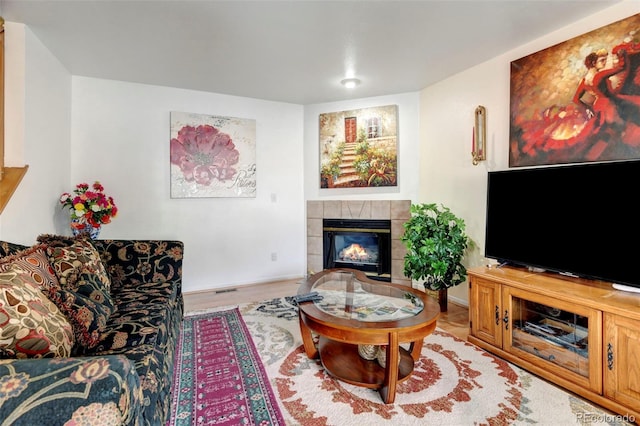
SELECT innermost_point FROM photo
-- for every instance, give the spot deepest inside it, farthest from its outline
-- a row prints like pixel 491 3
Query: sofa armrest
pixel 131 262
pixel 53 391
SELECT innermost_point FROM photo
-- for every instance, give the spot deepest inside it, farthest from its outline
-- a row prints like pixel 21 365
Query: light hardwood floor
pixel 454 321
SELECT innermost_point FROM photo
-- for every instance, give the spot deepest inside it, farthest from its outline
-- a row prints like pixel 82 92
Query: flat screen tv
pixel 580 220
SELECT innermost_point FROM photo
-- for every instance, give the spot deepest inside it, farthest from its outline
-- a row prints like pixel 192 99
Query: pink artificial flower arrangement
pixel 89 206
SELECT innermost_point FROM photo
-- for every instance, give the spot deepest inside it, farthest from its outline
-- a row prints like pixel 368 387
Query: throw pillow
pixel 7 248
pixel 31 326
pixel 69 260
pixel 34 261
pixel 84 292
pixel 53 240
pixel 87 307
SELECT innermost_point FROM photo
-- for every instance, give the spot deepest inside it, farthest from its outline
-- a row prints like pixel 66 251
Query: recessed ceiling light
pixel 350 83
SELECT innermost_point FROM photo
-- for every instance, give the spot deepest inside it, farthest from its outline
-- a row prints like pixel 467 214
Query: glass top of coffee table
pixel 344 296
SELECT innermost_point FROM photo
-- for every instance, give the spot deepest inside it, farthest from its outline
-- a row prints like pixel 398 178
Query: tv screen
pixel 581 220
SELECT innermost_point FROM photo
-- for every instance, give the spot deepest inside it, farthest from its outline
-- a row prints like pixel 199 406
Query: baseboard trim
pixel 458 301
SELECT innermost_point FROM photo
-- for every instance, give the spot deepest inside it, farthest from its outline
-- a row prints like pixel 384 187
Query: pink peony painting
pixel 212 156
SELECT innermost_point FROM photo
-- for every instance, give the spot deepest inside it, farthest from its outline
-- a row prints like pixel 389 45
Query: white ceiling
pixel 288 51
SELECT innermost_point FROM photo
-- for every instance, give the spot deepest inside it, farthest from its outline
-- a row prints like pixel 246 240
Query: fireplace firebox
pixel 358 244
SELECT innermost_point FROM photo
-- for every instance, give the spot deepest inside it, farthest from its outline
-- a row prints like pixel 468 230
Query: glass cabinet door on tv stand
pixel 562 337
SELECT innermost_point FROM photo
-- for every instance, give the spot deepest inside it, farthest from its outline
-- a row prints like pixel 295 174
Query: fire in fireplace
pixel 359 244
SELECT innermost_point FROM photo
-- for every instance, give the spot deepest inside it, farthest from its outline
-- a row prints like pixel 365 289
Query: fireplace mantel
pixel 398 211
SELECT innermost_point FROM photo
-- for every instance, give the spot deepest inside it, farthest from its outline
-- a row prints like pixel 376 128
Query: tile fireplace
pixel 363 244
pixel 397 212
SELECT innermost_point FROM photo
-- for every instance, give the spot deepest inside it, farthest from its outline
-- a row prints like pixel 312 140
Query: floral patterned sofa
pixel 111 361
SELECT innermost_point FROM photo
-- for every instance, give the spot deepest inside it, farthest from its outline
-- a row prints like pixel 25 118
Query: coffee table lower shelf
pixel 342 361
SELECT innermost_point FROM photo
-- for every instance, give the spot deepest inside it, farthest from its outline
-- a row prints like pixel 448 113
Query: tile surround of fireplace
pixel 397 211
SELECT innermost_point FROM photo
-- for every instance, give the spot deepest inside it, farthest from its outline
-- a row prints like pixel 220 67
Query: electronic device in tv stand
pixel 628 288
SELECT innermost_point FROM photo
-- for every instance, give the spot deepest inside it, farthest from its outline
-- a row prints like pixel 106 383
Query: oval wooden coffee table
pixel 356 310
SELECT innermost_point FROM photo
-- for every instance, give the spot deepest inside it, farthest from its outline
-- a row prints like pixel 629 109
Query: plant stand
pixel 441 296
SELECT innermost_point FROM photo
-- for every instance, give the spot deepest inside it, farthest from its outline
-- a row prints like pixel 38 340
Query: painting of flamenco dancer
pixel 212 156
pixel 578 101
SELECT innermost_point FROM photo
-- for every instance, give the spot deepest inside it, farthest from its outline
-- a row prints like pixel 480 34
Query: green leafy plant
pixel 436 242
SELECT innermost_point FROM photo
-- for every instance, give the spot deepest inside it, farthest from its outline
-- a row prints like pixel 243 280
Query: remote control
pixel 309 297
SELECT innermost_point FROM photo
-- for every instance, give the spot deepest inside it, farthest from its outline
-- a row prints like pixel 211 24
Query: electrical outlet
pixel 274 256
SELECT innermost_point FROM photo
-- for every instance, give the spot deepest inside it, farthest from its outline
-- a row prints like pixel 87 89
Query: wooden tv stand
pixel 582 335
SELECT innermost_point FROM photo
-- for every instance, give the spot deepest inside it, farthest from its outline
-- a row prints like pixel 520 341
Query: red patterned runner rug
pixel 219 378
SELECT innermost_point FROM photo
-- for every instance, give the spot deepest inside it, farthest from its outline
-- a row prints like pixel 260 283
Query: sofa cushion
pixel 140 318
pixel 131 262
pixel 71 391
pixel 31 326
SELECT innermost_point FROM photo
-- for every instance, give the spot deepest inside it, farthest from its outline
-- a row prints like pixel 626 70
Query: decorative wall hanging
pixel 212 156
pixel 479 137
pixel 358 148
pixel 578 101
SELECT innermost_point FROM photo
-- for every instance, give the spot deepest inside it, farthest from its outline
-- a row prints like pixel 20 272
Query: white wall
pixel 119 133
pixel 77 129
pixel 408 148
pixel 14 92
pixel 37 123
pixel 446 117
pixel 121 136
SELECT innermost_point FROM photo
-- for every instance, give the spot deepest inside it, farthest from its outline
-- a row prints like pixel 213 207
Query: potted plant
pixel 436 242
